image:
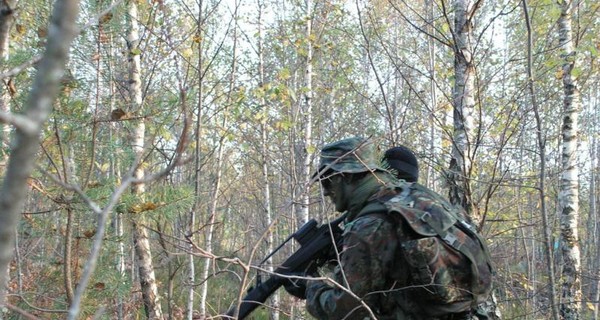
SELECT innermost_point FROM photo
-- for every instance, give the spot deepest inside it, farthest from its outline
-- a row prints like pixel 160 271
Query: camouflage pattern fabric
pixel 352 155
pixel 368 255
pixel 368 259
pixel 398 272
pixel 392 237
pixel 448 261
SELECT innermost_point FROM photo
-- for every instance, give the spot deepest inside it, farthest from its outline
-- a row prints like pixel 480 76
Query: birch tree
pixel 546 228
pixel 200 20
pixel 223 123
pixel 306 119
pixel 569 183
pixel 264 153
pixel 150 294
pixel 463 102
pixel 592 228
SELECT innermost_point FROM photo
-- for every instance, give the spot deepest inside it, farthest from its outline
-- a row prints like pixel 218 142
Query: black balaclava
pixel 403 161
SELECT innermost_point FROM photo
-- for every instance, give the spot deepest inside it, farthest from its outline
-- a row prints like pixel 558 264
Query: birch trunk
pixel 264 143
pixel 197 188
pixel 140 233
pixel 569 187
pixel 592 230
pixel 115 175
pixel 463 96
pixel 542 178
pixel 69 178
pixel 192 220
pixel 212 214
pixel 307 150
pixel 431 181
pixel 464 140
pixel 191 228
pixel 211 226
pixel 29 126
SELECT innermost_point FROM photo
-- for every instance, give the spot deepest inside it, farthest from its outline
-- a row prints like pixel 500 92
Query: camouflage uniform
pixel 372 271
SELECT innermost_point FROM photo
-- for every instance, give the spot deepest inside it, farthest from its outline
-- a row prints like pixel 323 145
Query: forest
pixel 154 152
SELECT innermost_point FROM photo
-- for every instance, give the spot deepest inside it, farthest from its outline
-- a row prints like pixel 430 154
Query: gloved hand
pixel 296 285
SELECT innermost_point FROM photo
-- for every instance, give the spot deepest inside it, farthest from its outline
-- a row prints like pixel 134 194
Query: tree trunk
pixel 212 214
pixel 464 140
pixel 569 187
pixel 463 96
pixel 548 253
pixel 143 253
pixel 197 160
pixel 264 159
pixel 434 140
pixel 307 149
pixel 593 247
pixel 463 105
pixel 26 143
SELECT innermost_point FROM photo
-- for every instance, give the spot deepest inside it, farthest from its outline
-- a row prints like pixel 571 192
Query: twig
pixel 92 22
pixel 20 311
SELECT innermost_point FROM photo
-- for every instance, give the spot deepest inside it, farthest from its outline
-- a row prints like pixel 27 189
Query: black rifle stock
pixel 316 247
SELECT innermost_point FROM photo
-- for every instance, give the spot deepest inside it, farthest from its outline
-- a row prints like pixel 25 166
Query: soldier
pixel 375 277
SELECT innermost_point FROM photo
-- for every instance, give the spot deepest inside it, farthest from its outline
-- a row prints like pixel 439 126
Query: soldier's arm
pixel 369 247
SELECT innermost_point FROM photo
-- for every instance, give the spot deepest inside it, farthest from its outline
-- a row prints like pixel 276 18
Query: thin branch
pixel 21 312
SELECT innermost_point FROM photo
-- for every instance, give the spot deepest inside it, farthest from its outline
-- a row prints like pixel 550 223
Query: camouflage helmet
pixel 352 155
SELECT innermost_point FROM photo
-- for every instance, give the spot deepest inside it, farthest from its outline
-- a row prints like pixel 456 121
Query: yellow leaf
pixel 149 206
pixel 187 53
pixel 559 74
pixel 591 306
pixel 136 208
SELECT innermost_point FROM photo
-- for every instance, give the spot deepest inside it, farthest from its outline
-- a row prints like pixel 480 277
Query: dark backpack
pixel 449 264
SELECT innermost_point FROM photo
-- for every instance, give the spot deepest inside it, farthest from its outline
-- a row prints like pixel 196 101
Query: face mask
pixel 336 189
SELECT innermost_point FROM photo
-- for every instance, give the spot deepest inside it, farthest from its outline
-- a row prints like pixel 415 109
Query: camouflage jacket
pixel 373 279
pixel 366 263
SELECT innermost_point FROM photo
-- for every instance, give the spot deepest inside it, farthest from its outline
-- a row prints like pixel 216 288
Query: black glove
pixel 296 286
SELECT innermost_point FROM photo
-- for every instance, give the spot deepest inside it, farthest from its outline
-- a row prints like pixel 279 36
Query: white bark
pixel 594 250
pixel 211 225
pixel 434 134
pixel 212 214
pixel 197 188
pixel 143 253
pixel 464 105
pixel 569 186
pixel 264 142
pixel 302 208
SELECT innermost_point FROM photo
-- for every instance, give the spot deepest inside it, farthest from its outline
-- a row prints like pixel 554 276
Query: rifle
pixel 316 244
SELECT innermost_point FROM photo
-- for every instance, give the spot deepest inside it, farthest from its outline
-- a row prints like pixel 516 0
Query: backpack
pixel 450 269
